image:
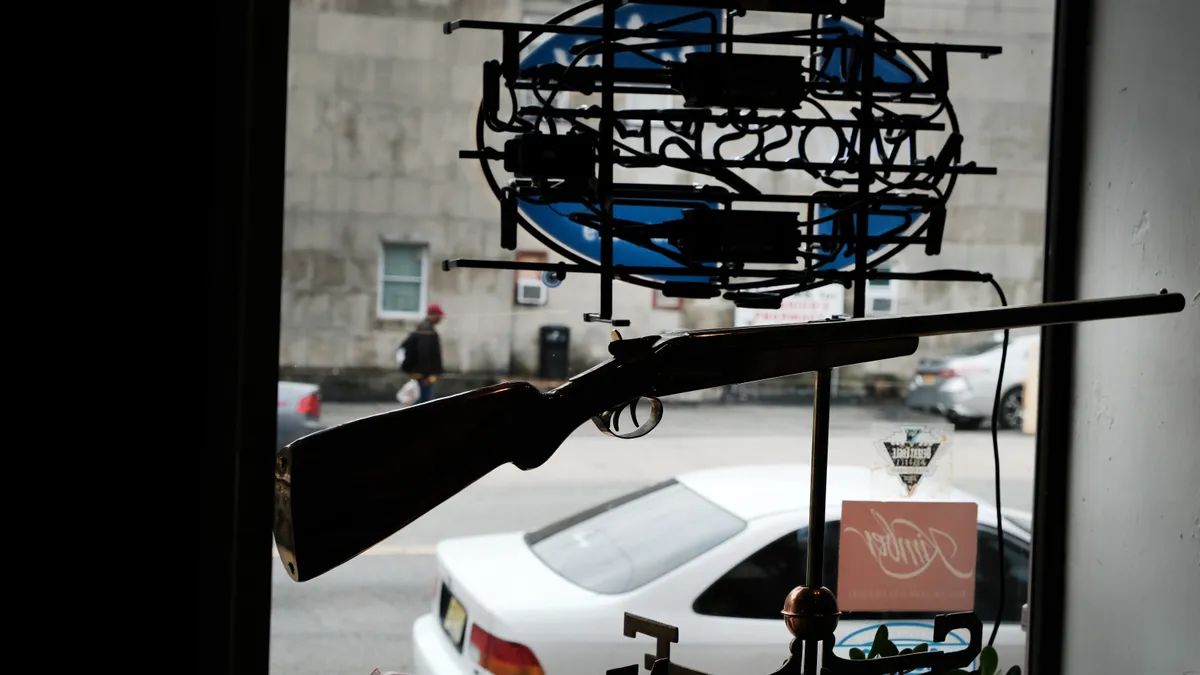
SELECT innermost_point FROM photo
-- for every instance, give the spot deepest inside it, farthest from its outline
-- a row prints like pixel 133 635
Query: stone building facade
pixel 380 101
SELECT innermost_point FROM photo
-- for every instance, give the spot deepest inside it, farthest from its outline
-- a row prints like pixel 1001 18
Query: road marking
pixel 426 549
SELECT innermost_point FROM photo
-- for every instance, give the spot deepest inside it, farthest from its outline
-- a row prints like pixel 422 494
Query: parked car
pixel 962 386
pixel 299 412
pixel 713 552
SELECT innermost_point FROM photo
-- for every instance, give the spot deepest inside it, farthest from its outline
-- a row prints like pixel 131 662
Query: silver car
pixel 962 387
pixel 299 412
pixel 924 391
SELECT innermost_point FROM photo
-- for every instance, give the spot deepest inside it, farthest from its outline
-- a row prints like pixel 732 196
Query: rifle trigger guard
pixel 608 421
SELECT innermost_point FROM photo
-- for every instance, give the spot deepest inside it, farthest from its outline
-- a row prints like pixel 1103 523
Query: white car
pixel 713 552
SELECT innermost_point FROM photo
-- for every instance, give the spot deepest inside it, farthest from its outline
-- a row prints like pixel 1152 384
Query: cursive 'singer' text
pixel 904 551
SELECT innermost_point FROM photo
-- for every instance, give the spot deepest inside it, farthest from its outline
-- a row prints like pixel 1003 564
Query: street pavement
pixel 359 617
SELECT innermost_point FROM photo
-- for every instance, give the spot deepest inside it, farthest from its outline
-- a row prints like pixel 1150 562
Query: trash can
pixel 553 347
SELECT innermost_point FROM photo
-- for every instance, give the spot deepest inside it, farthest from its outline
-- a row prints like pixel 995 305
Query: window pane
pixel 401 296
pixel 632 543
pixel 402 260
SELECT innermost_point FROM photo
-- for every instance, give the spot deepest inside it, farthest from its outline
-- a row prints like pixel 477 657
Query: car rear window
pixel 630 541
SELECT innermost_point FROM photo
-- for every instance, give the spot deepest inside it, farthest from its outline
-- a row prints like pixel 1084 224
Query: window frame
pixel 423 280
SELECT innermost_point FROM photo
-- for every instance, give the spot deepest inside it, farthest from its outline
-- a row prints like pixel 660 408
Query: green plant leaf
pixel 1015 670
pixel 857 654
pixel 881 639
pixel 889 649
pixel 915 650
pixel 988 661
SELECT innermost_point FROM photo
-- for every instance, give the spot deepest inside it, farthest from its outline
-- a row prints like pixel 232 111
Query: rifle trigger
pixel 608 421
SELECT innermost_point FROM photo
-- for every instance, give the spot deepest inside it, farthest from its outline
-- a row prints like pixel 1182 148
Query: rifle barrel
pixel 947 323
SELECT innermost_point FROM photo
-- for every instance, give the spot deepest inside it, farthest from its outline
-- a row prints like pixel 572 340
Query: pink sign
pixel 907 556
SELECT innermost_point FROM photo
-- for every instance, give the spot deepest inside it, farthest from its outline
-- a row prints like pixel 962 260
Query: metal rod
pixel 816 500
pixel 639 80
pixel 704 115
pixel 606 163
pixel 649 161
pixel 866 173
pixel 799 275
pixel 715 193
pixel 729 30
pixel 691 37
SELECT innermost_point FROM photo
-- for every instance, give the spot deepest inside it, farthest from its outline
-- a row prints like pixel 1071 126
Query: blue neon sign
pixel 585 240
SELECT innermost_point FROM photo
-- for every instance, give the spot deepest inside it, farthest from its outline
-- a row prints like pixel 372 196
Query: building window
pixel 881 295
pixel 403 272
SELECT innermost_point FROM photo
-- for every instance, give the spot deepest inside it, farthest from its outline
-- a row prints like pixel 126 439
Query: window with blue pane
pixel 402 279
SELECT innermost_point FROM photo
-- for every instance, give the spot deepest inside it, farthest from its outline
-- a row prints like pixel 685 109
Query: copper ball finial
pixel 811 613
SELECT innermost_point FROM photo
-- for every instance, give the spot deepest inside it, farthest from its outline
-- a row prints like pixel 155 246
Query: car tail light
pixel 947 373
pixel 309 405
pixel 501 657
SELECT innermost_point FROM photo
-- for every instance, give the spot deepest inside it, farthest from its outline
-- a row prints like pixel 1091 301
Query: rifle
pixel 344 489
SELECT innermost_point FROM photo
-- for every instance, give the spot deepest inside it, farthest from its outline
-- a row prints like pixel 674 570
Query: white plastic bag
pixel 409 393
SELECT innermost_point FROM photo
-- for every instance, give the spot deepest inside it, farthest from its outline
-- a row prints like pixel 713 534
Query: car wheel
pixel 1012 408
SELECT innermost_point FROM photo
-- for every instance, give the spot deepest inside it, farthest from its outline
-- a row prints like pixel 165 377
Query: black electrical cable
pixel 996 458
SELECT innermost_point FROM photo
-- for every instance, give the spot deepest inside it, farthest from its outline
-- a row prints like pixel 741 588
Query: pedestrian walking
pixel 422 360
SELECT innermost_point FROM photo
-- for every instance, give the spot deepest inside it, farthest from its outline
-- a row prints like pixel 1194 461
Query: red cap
pixel 436 310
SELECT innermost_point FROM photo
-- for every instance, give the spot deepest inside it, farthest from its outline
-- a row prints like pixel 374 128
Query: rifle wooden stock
pixel 343 490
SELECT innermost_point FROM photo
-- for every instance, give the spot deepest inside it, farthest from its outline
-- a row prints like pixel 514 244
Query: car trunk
pixel 497 581
pixel 932 366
